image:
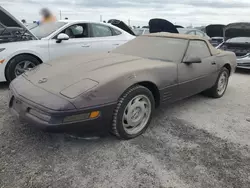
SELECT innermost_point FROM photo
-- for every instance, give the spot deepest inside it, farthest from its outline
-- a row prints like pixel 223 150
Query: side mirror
pixel 62 36
pixel 193 59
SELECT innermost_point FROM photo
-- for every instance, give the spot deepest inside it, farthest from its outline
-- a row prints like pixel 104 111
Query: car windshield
pixel 46 29
pixel 31 26
pixel 239 40
pixel 160 48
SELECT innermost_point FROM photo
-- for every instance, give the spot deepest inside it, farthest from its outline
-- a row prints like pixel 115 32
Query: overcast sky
pixel 183 12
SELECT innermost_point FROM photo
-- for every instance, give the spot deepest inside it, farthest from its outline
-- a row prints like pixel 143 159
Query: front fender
pixel 11 51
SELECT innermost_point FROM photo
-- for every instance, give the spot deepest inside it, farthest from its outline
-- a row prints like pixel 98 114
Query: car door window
pixel 77 31
pixel 101 30
pixel 197 48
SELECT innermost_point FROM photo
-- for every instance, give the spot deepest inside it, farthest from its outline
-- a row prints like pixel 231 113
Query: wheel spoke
pixel 144 106
pixel 125 116
pixel 137 101
pixel 127 126
pixel 129 106
pixel 26 65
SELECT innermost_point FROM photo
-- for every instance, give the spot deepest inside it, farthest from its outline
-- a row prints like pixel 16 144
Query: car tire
pixel 19 60
pixel 135 106
pixel 219 89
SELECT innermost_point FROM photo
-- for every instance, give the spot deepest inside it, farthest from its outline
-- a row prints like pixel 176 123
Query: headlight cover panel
pixel 78 88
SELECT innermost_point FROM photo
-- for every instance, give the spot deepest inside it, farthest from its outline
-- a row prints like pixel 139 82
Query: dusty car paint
pixel 115 72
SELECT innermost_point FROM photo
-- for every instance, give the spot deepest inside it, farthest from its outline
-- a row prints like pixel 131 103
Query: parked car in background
pixel 141 31
pixel 215 32
pixel 190 31
pixel 10 31
pixel 119 91
pixel 52 40
pixel 121 25
pixel 157 25
pixel 237 40
pixel 215 41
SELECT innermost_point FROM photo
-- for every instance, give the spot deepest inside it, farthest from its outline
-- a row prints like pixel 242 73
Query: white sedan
pixel 49 41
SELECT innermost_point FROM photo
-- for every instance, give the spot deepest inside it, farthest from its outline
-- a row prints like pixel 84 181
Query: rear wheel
pixel 133 112
pixel 19 64
pixel 220 86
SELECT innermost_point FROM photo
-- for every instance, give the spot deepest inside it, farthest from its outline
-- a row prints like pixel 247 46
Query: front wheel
pixel 220 86
pixel 19 64
pixel 133 112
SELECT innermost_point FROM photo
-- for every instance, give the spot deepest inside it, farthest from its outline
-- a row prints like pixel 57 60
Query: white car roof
pixel 83 21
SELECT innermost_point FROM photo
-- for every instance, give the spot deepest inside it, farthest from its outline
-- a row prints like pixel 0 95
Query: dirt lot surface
pixel 198 142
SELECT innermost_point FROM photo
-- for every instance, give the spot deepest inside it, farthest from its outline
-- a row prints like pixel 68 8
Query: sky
pixel 139 12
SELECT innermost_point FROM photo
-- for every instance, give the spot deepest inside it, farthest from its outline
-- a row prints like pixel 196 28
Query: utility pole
pixel 100 18
pixel 128 22
pixel 60 14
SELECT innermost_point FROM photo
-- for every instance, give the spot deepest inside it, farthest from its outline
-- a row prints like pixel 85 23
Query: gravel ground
pixel 198 142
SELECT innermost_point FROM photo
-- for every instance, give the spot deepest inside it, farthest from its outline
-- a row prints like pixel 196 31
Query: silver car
pixel 237 40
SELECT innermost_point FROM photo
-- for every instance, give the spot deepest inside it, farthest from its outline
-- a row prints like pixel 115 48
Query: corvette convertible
pixel 119 91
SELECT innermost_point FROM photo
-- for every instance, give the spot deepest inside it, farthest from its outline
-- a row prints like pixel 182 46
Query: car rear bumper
pixel 55 122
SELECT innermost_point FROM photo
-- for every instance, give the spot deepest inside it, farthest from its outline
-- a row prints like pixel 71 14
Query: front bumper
pixel 243 62
pixel 53 121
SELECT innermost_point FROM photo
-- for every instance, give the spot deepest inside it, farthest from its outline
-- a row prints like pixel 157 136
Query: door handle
pixel 213 63
pixel 86 45
pixel 116 44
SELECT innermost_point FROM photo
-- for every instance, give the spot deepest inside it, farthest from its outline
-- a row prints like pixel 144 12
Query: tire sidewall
pixel 217 82
pixel 119 126
pixel 10 68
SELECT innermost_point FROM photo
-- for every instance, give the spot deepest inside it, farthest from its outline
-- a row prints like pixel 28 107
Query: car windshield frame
pixel 46 29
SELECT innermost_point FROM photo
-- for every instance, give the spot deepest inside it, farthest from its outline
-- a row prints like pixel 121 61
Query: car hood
pixel 240 29
pixel 121 25
pixel 9 22
pixel 215 30
pixel 59 74
pixel 160 25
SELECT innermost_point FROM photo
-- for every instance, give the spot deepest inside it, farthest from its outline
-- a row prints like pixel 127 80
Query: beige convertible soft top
pixel 213 50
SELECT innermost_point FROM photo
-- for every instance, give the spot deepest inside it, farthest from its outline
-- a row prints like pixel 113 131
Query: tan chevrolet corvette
pixel 119 91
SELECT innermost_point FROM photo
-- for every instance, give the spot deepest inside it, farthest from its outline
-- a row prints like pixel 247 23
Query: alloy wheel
pixel 136 114
pixel 23 66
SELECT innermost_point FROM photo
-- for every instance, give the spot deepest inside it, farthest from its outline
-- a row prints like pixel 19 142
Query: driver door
pixel 79 42
pixel 196 77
